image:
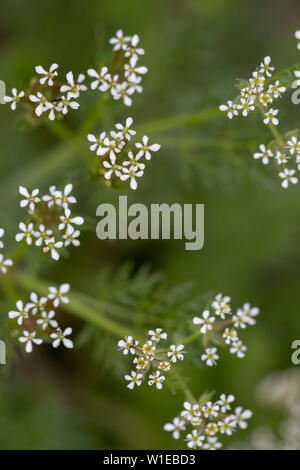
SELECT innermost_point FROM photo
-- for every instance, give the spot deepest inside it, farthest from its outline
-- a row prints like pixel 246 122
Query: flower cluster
pixel 51 223
pixel 4 263
pixel 221 324
pixel 123 78
pixel 207 421
pixel 52 98
pixel 37 322
pixel 149 359
pixel 256 94
pixel 118 161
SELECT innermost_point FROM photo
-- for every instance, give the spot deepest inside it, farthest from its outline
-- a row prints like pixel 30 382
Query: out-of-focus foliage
pixel 194 52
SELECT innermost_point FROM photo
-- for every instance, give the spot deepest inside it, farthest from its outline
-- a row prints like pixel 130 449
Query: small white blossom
pixel 66 198
pixel 102 81
pixel 67 221
pixel 43 103
pixel 156 379
pixel 20 314
pixel 264 154
pixel 221 305
pixel 1 235
pixel 59 336
pixel 250 313
pixel 42 234
pixel 240 416
pixel 176 352
pixel 4 263
pixel 26 231
pixel 225 401
pixel 131 173
pixel 72 238
pixel 230 109
pixel 134 379
pixel 65 103
pixel 230 336
pixel 29 338
pixel 210 356
pixel 293 145
pixel 53 198
pixel 128 345
pixel 190 411
pixel 120 41
pixel 52 246
pixel 238 348
pixel 131 48
pixel 212 444
pixel 210 410
pixel 58 295
pixel 98 144
pixel 271 117
pixel 125 130
pixel 276 89
pixel 239 319
pixel 175 427
pixel 134 162
pixel 297 36
pixel 121 90
pixel 73 88
pixel 47 77
pixel 47 319
pixel 194 439
pixel 145 148
pixel 206 322
pixel 133 83
pixel 14 99
pixel 36 303
pixel 30 199
pixel 132 69
pixel 288 177
pixel 281 158
pixel 246 106
pixel 157 334
pixel 265 67
pixel 112 168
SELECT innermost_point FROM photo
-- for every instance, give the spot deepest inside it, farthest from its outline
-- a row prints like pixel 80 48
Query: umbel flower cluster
pixel 4 263
pixel 36 320
pixel 205 422
pixel 52 98
pixel 148 358
pixel 51 224
pixel 257 94
pixel 220 325
pixel 116 160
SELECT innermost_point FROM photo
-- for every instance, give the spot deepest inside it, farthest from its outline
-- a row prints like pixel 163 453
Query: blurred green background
pixel 195 50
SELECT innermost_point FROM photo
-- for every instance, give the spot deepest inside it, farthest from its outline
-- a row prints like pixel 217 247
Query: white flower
pixel 246 106
pixel 271 117
pixel 43 105
pixel 128 345
pixel 47 319
pixel 194 439
pixel 257 82
pixel 206 322
pixel 131 68
pixel 176 352
pixel 27 232
pixel 66 198
pixel 264 154
pixel 30 199
pixel 51 245
pixel 145 148
pixel 297 36
pixel 240 416
pixel 74 88
pixel 132 173
pixel 238 348
pixel 210 356
pixel 67 221
pixel 112 147
pixel 42 234
pixel 125 130
pixel 134 162
pixel 47 77
pixel 293 145
pixel 20 314
pixel 102 81
pixel 36 304
pixel 1 235
pixel 164 365
pixel 58 295
pixel 4 263
pixel 14 99
pixel 211 429
pixel 250 313
pixel 157 334
pixel 149 350
pixel 134 379
pixel 132 49
pixel 112 168
pixel 210 410
pixel 121 90
pixel 190 411
pixel 175 428
pixel 239 319
pixel 53 198
pixel 230 336
pixel 133 83
pixel 98 144
pixel 65 103
pixel 226 426
pixel 230 109
pixel 281 157
pixel 141 362
pixel 59 336
pixel 275 89
pixel 156 379
pixel 287 177
pixel 119 42
pixel 221 305
pixel 265 67
pixel 71 238
pixel 29 338
pixel 212 444
pixel 225 401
